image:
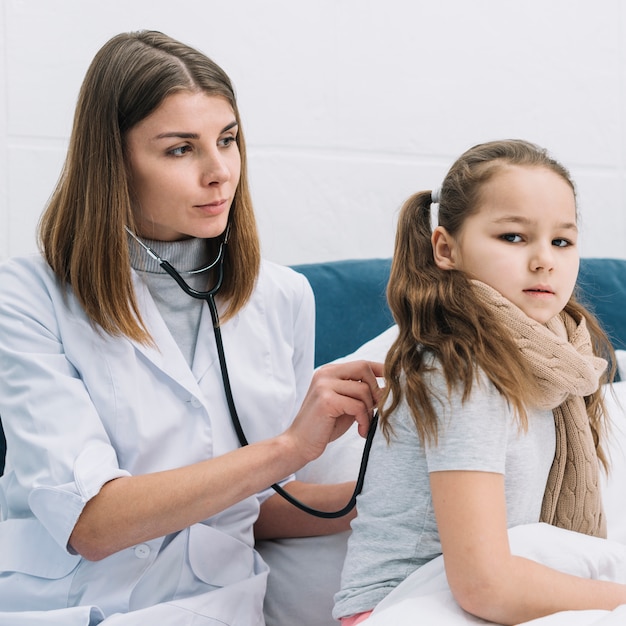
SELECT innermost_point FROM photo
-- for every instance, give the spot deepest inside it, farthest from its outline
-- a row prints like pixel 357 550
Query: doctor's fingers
pixel 350 372
pixel 328 411
pixel 342 401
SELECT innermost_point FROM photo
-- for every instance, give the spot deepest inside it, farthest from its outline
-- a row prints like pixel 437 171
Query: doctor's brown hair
pixel 438 312
pixel 81 232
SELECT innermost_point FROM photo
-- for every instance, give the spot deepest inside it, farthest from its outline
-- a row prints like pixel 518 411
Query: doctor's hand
pixel 339 395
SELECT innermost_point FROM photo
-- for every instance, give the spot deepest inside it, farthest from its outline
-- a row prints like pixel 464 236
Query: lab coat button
pixel 195 403
pixel 142 551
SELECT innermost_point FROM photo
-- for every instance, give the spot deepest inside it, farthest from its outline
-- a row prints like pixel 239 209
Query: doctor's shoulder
pixel 28 284
pixel 25 273
pixel 282 284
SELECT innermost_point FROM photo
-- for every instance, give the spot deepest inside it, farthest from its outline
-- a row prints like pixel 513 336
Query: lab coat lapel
pixel 165 353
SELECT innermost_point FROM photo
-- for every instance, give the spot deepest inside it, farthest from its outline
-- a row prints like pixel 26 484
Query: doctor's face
pixel 184 167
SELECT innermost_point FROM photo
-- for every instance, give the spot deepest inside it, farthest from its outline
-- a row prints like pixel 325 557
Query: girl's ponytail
pixel 413 274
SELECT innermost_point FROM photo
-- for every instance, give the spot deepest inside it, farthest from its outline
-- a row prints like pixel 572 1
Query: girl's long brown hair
pixel 438 313
pixel 81 232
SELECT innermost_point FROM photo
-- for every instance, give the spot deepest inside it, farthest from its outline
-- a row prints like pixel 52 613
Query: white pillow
pixel 424 597
pixel 305 573
pixel 613 490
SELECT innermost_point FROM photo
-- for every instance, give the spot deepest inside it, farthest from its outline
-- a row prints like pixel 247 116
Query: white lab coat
pixel 81 408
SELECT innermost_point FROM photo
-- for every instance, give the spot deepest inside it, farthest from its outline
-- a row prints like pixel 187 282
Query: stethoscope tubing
pixel 209 298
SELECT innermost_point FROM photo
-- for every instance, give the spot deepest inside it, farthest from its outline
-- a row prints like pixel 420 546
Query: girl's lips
pixel 544 288
pixel 539 291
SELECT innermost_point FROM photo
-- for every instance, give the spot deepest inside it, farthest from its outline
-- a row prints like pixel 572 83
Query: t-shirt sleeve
pixel 472 435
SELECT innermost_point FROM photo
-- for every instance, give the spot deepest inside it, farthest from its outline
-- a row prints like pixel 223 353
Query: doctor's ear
pixel 444 248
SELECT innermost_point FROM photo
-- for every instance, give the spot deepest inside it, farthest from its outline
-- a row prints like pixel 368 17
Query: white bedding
pixel 426 595
pixel 305 573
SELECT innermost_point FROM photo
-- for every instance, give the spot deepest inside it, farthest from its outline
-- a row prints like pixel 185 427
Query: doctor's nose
pixel 214 170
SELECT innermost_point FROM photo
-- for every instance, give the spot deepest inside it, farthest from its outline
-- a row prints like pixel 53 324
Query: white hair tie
pixel 435 195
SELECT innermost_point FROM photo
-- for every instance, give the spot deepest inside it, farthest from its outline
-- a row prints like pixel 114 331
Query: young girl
pixel 493 413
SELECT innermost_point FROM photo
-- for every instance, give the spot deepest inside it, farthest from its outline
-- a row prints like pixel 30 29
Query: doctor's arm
pixel 279 518
pixel 134 509
pixel 485 578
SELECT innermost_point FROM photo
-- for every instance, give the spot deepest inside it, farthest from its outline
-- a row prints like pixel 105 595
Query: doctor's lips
pixel 214 207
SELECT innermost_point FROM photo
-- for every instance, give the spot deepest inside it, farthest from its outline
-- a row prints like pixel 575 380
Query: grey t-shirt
pixel 395 531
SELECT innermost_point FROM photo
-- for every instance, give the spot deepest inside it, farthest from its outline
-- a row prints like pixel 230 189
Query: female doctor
pixel 127 498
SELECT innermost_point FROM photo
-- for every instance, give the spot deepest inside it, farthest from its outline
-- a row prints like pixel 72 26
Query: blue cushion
pixel 351 306
pixel 602 289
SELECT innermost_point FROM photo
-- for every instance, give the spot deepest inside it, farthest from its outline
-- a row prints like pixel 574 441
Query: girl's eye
pixel 180 151
pixel 511 237
pixel 561 243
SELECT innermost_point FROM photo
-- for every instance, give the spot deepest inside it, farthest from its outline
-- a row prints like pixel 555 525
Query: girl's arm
pixel 485 578
pixel 133 509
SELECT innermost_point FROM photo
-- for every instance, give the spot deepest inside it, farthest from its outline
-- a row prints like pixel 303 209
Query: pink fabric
pixel 353 620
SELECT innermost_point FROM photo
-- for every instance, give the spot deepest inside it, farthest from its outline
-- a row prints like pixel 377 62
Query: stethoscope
pixel 209 298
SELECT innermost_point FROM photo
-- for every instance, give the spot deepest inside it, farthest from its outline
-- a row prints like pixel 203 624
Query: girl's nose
pixel 542 258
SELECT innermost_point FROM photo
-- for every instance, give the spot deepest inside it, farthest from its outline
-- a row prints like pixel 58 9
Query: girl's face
pixel 184 167
pixel 521 241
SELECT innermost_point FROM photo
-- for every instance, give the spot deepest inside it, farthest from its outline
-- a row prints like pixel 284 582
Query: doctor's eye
pixel 225 142
pixel 179 151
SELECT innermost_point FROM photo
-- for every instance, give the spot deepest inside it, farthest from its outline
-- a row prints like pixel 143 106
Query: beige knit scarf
pixel 560 355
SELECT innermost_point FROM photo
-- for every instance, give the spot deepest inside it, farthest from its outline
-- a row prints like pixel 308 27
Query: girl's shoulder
pixel 482 388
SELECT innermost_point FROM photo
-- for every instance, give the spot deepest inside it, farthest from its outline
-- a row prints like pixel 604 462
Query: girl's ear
pixel 443 249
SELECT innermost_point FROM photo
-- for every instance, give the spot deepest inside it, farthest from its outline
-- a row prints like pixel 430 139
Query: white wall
pixel 348 105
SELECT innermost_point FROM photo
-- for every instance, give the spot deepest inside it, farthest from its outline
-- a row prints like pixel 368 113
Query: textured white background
pixel 348 105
